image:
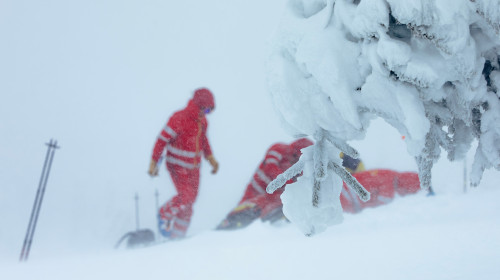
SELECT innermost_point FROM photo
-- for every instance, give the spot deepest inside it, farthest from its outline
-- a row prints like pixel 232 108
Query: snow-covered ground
pixel 453 236
pixel 101 77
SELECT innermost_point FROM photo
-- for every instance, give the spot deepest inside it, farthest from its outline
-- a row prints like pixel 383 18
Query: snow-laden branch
pixel 429 69
pixel 342 145
pixel 351 182
pixel 281 179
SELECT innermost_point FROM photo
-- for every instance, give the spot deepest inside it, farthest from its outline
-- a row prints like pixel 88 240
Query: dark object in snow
pixel 240 218
pixel 141 237
pixel 398 30
pixel 352 164
pixel 243 218
pixel 431 192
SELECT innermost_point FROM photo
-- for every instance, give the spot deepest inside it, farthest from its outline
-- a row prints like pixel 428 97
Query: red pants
pixel 179 209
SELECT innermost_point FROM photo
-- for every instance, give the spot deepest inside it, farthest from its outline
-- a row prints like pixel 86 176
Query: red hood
pixel 203 98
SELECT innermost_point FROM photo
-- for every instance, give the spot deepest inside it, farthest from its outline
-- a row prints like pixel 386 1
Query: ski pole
pixel 52 145
pixel 35 205
pixel 157 194
pixel 137 211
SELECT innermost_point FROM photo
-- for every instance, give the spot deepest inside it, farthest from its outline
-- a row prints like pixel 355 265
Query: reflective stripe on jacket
pixel 276 161
pixel 184 137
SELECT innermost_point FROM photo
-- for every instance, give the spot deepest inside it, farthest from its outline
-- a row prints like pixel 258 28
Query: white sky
pixel 102 77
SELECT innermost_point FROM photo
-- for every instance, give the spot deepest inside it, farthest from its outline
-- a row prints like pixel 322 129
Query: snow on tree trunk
pixel 313 202
pixel 430 68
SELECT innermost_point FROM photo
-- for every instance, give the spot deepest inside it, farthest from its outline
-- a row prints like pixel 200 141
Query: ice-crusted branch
pixel 486 10
pixel 342 145
pixel 320 157
pixel 426 160
pixel 478 167
pixel 324 164
pixel 351 182
pixel 316 193
pixel 291 172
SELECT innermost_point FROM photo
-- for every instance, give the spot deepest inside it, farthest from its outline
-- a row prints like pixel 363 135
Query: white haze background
pixel 102 77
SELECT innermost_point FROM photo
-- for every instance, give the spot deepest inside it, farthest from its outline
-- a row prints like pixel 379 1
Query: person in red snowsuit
pixel 256 203
pixel 184 137
pixel 383 185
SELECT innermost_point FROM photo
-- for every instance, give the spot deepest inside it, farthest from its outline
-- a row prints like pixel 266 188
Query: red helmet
pixel 204 99
pixel 301 143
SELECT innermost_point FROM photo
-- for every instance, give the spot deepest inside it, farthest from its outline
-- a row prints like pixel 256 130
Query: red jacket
pixel 185 138
pixel 276 161
pixel 279 157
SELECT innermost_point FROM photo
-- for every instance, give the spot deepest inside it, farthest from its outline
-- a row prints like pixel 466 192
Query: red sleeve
pixel 166 135
pixel 272 171
pixel 158 149
pixel 275 162
pixel 272 166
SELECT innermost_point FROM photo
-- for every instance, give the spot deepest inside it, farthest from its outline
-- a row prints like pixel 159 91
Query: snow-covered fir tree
pixel 429 68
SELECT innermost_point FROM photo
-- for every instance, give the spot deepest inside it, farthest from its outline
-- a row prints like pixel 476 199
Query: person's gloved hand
pixel 153 170
pixel 213 163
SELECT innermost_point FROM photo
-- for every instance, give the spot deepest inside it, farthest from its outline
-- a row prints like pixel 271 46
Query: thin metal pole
pixel 54 147
pixel 38 200
pixel 137 210
pixel 158 218
pixel 33 210
pixel 157 194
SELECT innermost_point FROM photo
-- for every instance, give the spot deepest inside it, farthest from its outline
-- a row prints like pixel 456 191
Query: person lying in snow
pixel 256 203
pixel 383 185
